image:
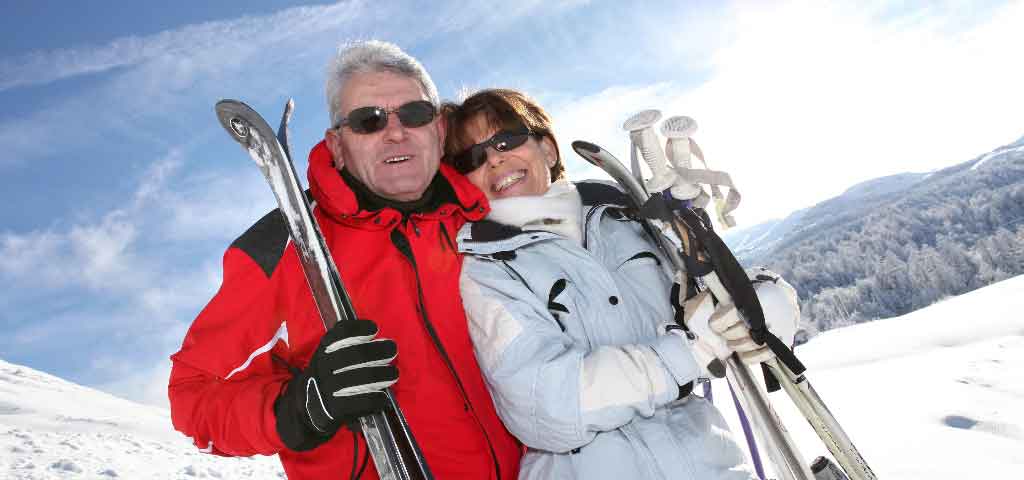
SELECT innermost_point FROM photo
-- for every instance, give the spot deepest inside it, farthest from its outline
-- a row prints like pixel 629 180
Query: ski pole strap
pixel 719 259
pixel 661 206
pixel 738 285
pixel 786 356
pixel 729 271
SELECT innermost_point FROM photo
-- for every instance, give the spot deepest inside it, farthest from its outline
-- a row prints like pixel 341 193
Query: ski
pixel 395 452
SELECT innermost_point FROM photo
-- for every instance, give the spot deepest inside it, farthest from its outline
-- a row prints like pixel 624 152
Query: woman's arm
pixel 552 393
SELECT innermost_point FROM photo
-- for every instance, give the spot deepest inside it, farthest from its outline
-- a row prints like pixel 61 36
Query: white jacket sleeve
pixel 551 393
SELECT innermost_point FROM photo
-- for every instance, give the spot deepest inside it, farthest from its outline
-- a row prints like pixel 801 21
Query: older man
pixel 257 373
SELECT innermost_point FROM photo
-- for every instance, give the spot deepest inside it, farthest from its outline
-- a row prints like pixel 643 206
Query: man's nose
pixel 394 130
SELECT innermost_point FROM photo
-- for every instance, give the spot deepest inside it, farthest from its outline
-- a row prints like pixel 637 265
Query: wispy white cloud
pixel 231 42
pixel 809 98
pixel 219 38
pixel 97 255
pixel 124 250
pixel 94 256
pixel 266 57
pixel 121 289
pixel 598 119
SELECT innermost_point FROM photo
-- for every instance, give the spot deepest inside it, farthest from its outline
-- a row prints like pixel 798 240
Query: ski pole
pixel 789 464
pixel 788 373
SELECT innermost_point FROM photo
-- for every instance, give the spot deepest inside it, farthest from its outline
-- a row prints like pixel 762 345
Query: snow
pixel 54 429
pixel 990 155
pixel 934 394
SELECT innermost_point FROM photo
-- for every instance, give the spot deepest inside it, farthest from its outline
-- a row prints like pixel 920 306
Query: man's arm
pixel 235 388
pixel 231 418
pixel 224 380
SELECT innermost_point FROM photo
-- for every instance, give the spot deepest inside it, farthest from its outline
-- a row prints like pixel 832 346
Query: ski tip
pixel 288 107
pixel 584 148
pixel 231 105
pixel 589 151
pixel 232 115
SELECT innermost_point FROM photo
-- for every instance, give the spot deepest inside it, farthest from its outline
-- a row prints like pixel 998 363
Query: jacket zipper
pixel 586 223
pixel 402 243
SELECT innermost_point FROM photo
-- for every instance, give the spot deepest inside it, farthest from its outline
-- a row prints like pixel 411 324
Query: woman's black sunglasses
pixel 471 158
pixel 372 119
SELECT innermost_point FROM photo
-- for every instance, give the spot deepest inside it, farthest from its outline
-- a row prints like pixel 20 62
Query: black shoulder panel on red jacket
pixel 264 242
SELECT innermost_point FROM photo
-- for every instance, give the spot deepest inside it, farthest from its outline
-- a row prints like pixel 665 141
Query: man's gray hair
pixel 370 56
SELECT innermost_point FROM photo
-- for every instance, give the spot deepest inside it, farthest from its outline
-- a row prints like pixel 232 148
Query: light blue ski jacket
pixel 570 340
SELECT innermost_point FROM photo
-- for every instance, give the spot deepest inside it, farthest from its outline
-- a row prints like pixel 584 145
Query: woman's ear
pixel 548 149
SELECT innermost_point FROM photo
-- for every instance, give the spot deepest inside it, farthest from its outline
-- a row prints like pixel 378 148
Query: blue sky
pixel 120 190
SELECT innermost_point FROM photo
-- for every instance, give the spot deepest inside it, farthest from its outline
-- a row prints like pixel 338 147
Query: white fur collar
pixel 557 211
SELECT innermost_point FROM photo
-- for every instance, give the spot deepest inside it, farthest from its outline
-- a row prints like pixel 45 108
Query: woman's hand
pixel 721 330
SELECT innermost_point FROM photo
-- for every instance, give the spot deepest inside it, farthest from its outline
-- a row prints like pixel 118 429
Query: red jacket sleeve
pixel 224 380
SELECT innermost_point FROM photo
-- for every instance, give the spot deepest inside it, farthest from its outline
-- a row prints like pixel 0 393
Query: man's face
pixel 397 162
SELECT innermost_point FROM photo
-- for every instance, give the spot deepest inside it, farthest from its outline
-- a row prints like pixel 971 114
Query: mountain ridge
pixel 892 244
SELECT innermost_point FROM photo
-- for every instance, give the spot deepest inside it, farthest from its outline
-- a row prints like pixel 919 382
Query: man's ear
pixel 332 138
pixel 442 129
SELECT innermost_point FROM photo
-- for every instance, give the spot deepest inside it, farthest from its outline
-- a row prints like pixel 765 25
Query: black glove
pixel 344 381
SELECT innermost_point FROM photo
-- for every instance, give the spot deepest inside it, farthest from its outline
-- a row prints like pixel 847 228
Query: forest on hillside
pixel 944 236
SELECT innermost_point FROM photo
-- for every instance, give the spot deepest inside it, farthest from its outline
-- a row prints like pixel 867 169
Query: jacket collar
pixel 486 237
pixel 336 199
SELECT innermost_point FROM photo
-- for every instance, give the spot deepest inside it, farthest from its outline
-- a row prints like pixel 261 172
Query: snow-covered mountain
pixel 895 244
pixel 754 244
pixel 932 395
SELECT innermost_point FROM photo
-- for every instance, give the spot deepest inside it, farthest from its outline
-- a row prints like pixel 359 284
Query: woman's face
pixel 524 170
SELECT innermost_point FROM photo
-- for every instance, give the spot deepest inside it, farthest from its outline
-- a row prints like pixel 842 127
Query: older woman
pixel 567 304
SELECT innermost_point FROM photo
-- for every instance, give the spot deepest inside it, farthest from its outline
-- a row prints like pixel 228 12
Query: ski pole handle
pixel 678 130
pixel 643 137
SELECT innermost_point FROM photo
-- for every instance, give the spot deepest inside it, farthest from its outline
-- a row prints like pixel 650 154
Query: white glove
pixel 708 344
pixel 721 330
pixel 778 301
pixel 710 365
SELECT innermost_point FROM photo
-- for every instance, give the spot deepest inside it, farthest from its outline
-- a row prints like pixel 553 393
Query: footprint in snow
pixel 1001 429
pixel 66 465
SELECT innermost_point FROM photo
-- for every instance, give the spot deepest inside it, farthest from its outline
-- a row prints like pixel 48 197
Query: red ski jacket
pixel 402 274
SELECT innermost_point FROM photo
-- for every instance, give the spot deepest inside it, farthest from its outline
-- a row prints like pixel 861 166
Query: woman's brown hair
pixel 502 109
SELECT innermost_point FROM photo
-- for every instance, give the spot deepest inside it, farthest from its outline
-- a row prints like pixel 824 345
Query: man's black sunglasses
pixel 372 119
pixel 471 158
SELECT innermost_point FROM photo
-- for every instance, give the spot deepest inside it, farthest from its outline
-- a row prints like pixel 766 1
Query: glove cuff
pixel 292 419
pixel 675 355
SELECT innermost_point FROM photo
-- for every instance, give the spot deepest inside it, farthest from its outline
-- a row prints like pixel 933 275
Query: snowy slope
pixel 54 429
pixel 935 394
